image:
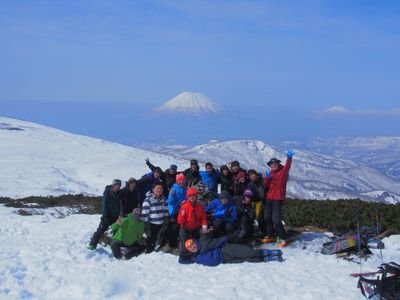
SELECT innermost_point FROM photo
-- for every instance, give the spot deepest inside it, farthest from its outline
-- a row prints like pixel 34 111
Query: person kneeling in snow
pixel 212 252
pixel 128 233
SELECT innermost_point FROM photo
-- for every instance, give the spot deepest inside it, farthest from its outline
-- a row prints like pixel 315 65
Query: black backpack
pixel 387 287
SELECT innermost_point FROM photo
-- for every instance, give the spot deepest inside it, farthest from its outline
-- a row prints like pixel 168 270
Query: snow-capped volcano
pixel 190 103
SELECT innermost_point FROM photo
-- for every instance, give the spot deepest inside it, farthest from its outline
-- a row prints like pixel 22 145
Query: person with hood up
pixel 177 196
pixel 130 197
pixel 212 252
pixel 275 182
pixel 155 217
pixel 128 234
pixel 224 214
pixel 192 218
pixel 111 209
pixel 226 179
pixel 192 174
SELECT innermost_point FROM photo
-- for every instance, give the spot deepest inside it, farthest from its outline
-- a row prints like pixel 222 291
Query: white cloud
pixel 341 110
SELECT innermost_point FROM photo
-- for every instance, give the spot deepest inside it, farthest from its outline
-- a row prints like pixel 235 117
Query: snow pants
pixel 273 218
pixel 245 229
pixel 103 226
pixel 173 233
pixel 133 250
pixel 235 253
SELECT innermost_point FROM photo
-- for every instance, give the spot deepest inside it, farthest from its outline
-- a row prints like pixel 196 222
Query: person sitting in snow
pixel 192 218
pixel 177 196
pixel 111 209
pixel 245 208
pixel 210 179
pixel 155 216
pixel 128 233
pixel 224 214
pixel 130 198
pixel 275 182
pixel 212 252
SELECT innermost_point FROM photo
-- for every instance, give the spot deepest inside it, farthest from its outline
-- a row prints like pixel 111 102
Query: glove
pixel 147 160
pixel 267 173
pixel 290 153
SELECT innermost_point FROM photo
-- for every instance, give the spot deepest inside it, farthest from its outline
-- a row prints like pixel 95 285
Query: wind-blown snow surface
pixel 47 259
pixel 38 160
pixel 190 103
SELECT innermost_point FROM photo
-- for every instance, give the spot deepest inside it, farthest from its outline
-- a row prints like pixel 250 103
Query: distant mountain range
pixel 38 160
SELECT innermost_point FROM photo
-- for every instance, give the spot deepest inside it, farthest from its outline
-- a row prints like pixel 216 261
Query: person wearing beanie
pixel 168 176
pixel 192 218
pixel 224 214
pixel 275 183
pixel 111 209
pixel 128 232
pixel 226 179
pixel 212 252
pixel 239 178
pixel 176 197
pixel 145 183
pixel 210 179
pixel 130 198
pixel 192 174
pixel 245 208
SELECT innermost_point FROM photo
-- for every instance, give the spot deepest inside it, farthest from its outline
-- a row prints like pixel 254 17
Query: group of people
pixel 206 216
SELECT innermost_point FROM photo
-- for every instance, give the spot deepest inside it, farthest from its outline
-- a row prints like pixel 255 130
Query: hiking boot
pixel 91 247
pixel 282 243
pixel 274 252
pixel 273 258
pixel 268 239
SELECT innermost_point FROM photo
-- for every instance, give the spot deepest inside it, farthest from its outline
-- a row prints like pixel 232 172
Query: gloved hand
pixel 147 160
pixel 267 173
pixel 290 153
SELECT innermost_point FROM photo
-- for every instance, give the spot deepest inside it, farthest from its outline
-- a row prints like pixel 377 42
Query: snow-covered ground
pixel 43 257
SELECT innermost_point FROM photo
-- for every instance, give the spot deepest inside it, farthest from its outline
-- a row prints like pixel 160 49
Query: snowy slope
pixel 38 160
pixel 47 259
pixel 313 175
pixel 190 103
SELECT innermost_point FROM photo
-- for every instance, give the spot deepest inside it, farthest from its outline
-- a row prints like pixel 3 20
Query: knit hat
pixel 116 182
pixel 273 161
pixel 173 166
pixel 224 195
pixel 157 170
pixel 194 162
pixel 248 193
pixel 180 177
pixel 189 245
pixel 224 167
pixel 191 192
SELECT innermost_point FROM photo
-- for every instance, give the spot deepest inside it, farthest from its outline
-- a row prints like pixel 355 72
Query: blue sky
pixel 331 67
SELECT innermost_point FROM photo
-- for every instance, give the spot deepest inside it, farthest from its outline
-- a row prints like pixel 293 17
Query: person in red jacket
pixel 275 183
pixel 192 218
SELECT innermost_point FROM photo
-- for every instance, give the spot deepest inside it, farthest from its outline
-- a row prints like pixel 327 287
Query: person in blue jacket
pixel 212 252
pixel 224 214
pixel 177 195
pixel 210 178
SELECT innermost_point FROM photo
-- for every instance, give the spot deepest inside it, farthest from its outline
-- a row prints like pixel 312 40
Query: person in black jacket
pixel 245 215
pixel 239 178
pixel 256 186
pixel 111 209
pixel 168 176
pixel 130 198
pixel 192 174
pixel 226 179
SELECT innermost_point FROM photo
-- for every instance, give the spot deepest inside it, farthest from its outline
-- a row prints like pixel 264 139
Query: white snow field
pixel 42 257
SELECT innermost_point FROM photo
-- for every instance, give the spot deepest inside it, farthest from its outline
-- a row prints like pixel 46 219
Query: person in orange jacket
pixel 192 218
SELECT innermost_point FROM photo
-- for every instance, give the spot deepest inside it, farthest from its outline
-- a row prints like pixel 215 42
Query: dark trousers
pixel 245 229
pixel 103 226
pixel 235 253
pixel 273 218
pixel 223 228
pixel 185 234
pixel 173 233
pixel 153 238
pixel 133 250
